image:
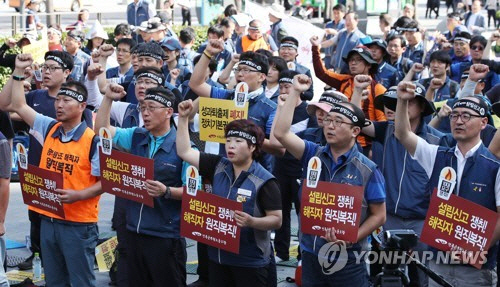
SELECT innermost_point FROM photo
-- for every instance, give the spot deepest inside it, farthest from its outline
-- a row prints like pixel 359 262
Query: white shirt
pixel 270 92
pixel 425 154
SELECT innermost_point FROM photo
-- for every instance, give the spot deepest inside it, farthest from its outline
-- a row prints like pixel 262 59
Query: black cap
pixel 390 99
pixel 363 52
pixel 378 42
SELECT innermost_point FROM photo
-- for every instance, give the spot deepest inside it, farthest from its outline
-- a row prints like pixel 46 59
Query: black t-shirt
pixel 6 125
pixel 269 197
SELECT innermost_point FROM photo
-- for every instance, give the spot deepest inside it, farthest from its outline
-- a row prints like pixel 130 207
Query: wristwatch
pixel 168 193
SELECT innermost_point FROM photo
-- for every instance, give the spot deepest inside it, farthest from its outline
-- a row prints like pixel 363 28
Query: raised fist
pixel 436 84
pixel 406 90
pixel 214 47
pixel 417 67
pixel 185 108
pixel 362 81
pixel 115 92
pixel 478 72
pixel 23 61
pixel 301 82
pixel 175 73
pixel 106 50
pixel 315 41
pixel 94 70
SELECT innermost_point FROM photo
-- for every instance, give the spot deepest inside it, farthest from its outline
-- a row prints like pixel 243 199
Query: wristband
pixel 168 193
pixel 207 54
pixel 18 78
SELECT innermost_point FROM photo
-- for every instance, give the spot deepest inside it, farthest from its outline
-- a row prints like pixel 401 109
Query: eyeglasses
pixel 465 117
pixel 118 51
pixel 477 48
pixel 336 122
pixel 245 71
pixel 355 60
pixel 52 69
pixel 150 109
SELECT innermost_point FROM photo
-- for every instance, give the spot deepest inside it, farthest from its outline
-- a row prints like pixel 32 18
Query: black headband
pixel 72 94
pixel 471 105
pixel 291 45
pixel 241 134
pixel 251 64
pixel 151 76
pixel 147 54
pixel 329 99
pixel 57 59
pixel 160 99
pixel 356 121
pixel 285 80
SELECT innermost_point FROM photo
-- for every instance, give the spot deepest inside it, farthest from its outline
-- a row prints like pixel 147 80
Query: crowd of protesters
pixel 396 110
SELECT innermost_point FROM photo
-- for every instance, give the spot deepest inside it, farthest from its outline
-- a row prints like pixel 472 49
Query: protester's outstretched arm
pixel 444 112
pixel 406 92
pixel 182 141
pixel 114 92
pixel 225 75
pixel 197 81
pixel 15 101
pixel 361 84
pixel 91 83
pixel 415 69
pixel 289 140
pixel 104 52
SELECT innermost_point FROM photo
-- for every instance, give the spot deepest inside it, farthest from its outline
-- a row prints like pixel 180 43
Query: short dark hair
pixel 78 86
pixel 463 34
pixel 187 35
pixel 64 56
pixel 289 39
pixel 397 36
pixel 482 40
pixel 356 16
pixel 217 30
pixel 288 74
pixel 256 58
pixel 278 62
pixel 441 56
pixel 212 65
pixel 386 18
pixel 402 22
pixel 122 29
pixel 264 52
pixel 251 128
pixel 230 10
pixel 226 22
pixel 127 41
pixel 339 7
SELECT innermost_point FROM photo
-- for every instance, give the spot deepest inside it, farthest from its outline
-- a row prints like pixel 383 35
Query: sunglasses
pixel 478 48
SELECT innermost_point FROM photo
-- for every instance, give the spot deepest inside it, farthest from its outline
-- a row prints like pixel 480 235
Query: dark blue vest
pixel 255 245
pixel 360 169
pixel 480 171
pixel 164 219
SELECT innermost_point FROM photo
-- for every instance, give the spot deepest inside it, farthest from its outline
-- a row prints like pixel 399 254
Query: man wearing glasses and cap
pixel 340 158
pixel 73 44
pixel 475 166
pixel 68 243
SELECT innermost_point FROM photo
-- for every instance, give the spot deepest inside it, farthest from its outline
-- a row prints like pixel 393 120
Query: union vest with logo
pixel 356 170
pixel 164 219
pixel 76 175
pixel 255 245
pixel 477 183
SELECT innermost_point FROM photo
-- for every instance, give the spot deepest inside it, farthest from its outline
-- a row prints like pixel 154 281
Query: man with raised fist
pixel 67 243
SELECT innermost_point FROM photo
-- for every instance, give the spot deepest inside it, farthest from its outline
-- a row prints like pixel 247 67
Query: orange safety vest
pixel 248 44
pixel 72 159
